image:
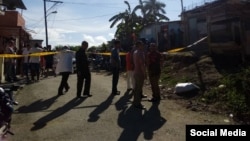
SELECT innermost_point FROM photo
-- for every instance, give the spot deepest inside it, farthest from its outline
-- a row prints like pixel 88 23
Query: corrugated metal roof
pixel 12 4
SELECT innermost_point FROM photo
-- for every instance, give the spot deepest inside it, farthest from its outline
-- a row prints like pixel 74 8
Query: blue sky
pixel 78 20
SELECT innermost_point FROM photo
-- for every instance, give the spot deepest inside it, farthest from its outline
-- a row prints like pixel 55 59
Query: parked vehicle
pixel 6 109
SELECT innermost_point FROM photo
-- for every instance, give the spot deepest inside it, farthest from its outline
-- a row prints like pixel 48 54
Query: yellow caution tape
pixel 10 55
pixel 42 53
pixel 175 50
pixel 109 53
pixel 32 54
pixel 50 53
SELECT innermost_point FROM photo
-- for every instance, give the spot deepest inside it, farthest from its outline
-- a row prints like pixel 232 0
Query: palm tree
pixel 126 25
pixel 155 11
pixel 140 20
pixel 122 17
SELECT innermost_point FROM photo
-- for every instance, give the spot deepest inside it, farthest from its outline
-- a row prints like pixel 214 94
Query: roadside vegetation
pixel 224 88
pixel 233 95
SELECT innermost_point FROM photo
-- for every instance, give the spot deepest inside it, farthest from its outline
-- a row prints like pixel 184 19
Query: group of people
pixel 143 63
pixel 140 64
pixel 34 66
pixel 29 66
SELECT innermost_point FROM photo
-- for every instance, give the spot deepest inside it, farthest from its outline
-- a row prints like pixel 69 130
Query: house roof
pixel 12 4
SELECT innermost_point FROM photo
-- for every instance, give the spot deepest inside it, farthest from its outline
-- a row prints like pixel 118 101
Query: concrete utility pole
pixel 45 18
pixel 182 8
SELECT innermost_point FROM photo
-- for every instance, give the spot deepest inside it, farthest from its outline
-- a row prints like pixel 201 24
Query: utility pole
pixel 182 8
pixel 45 18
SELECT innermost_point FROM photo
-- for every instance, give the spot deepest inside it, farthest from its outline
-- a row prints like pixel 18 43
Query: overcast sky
pixel 78 20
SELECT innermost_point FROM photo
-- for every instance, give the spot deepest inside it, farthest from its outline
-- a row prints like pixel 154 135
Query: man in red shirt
pixel 154 63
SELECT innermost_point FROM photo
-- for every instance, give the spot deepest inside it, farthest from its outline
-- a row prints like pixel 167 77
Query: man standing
pixel 154 63
pixel 9 63
pixel 26 67
pixel 139 74
pixel 65 68
pixel 130 69
pixel 35 62
pixel 115 62
pixel 83 72
pixel 49 61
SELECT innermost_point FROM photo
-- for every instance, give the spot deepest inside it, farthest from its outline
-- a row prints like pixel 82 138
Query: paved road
pixel 43 116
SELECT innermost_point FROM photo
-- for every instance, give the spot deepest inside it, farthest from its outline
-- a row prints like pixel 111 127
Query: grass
pixel 233 96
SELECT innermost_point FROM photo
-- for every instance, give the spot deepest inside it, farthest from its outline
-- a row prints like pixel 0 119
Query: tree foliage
pixel 130 23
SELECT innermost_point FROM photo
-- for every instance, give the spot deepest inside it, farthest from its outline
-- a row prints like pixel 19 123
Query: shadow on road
pixel 123 101
pixel 94 115
pixel 37 105
pixel 40 123
pixel 135 121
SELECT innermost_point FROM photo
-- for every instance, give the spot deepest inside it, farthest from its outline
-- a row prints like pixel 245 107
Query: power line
pixel 86 18
pixel 99 3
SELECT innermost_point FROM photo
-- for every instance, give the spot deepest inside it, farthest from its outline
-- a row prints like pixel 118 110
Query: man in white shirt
pixel 65 68
pixel 25 53
pixel 35 62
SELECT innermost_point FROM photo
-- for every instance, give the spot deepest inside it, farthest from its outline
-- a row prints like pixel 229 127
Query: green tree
pixel 140 18
pixel 154 11
pixel 125 28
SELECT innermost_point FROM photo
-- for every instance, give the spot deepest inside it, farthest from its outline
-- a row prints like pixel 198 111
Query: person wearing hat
pixel 64 68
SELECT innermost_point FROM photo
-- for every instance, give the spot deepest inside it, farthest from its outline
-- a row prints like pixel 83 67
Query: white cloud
pixel 101 39
pixel 94 40
pixel 112 35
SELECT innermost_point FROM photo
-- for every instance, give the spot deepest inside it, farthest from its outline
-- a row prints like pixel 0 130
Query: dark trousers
pixel 154 81
pixel 139 82
pixel 35 70
pixel 64 81
pixel 26 69
pixel 115 78
pixel 86 78
pixel 9 70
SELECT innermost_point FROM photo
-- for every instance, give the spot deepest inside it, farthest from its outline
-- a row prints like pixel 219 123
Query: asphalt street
pixel 43 116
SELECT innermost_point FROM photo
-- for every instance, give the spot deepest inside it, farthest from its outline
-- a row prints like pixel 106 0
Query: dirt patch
pixel 200 69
